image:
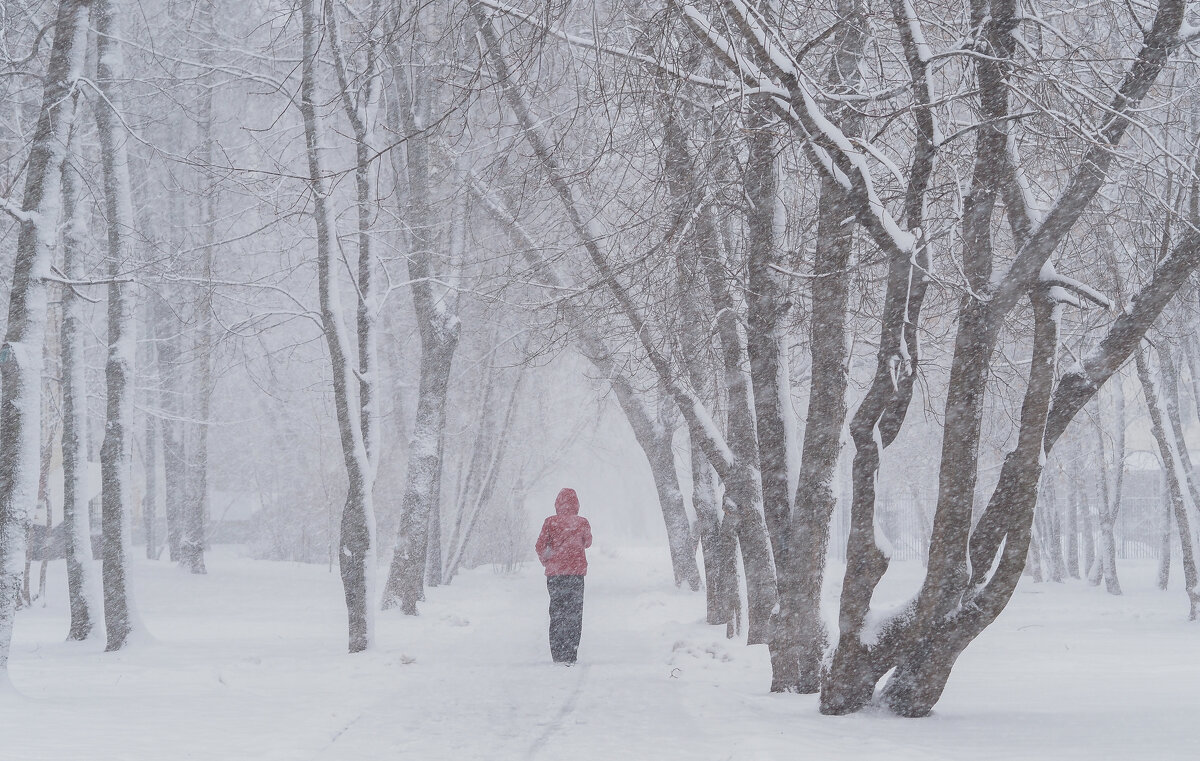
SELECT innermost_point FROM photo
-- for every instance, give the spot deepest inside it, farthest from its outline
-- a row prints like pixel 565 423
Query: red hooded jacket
pixel 564 538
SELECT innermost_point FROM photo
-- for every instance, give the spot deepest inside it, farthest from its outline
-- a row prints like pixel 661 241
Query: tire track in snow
pixel 567 707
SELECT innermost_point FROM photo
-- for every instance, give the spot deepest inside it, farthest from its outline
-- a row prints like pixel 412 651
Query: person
pixel 561 548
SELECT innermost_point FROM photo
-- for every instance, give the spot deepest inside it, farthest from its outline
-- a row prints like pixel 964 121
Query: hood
pixel 567 503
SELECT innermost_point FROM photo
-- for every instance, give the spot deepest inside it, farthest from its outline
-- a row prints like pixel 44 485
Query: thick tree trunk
pixel 718 546
pixel 767 307
pixel 422 490
pixel 1000 540
pixel 21 354
pixel 670 498
pixel 815 500
pixel 796 660
pixel 119 618
pixel 437 320
pixel 858 665
pixel 83 577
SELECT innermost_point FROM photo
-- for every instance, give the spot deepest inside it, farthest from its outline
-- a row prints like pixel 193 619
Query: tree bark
pixel 857 666
pixel 175 469
pixel 193 537
pixel 719 546
pixel 356 556
pixel 1087 532
pixel 422 484
pixel 83 577
pixel 438 324
pixel 1110 499
pixel 21 356
pixel 1054 533
pixel 119 617
pixel 1174 489
pixel 1002 534
pixel 1071 533
pixel 150 498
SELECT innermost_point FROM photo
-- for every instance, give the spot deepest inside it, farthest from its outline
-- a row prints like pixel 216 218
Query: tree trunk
pixel 21 356
pixel 718 546
pixel 1054 544
pixel 168 334
pixel 83 577
pixel 670 498
pixel 1087 533
pixel 857 665
pixel 1175 491
pixel 194 539
pixel 356 555
pixel 1072 533
pixel 1110 499
pixel 1164 542
pixel 119 618
pixel 433 544
pixel 1001 540
pixel 422 485
pixel 150 498
pixel 489 476
pixel 437 320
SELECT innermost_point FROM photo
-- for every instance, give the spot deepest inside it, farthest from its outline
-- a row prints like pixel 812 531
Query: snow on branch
pixel 923 51
pixel 1069 290
pixel 748 70
pixel 16 212
pixel 754 28
pixel 629 55
pixel 828 146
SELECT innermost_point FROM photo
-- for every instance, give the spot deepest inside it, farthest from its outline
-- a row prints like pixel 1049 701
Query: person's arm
pixel 543 543
pixel 587 534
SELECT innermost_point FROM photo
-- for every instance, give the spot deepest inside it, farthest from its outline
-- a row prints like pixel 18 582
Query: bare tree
pixel 83 577
pixel 436 306
pixel 356 557
pixel 21 355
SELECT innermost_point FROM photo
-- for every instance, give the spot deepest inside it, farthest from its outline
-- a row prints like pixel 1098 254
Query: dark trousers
pixel 566 616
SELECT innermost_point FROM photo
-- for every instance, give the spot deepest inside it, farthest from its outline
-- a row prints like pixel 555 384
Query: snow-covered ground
pixel 247 663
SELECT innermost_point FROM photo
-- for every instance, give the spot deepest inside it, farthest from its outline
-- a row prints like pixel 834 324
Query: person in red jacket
pixel 561 547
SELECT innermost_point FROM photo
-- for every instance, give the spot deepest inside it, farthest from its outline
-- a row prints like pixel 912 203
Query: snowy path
pixel 247 664
pixel 497 695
